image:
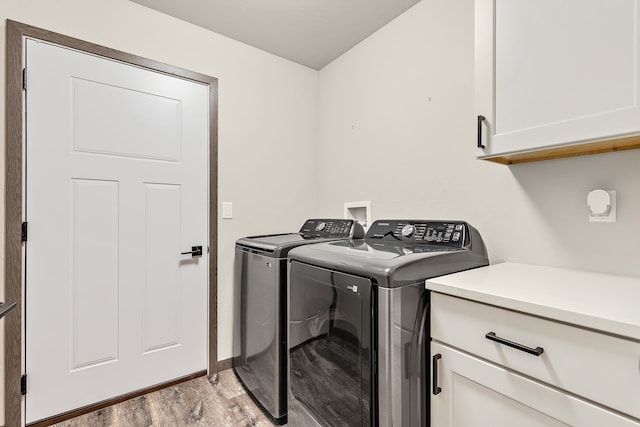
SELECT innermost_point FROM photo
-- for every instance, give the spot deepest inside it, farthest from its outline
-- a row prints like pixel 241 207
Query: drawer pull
pixel 434 379
pixel 535 351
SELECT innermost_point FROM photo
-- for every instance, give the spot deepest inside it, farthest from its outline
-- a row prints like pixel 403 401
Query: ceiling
pixel 309 32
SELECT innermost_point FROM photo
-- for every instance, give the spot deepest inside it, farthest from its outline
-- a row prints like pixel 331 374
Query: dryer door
pixel 331 356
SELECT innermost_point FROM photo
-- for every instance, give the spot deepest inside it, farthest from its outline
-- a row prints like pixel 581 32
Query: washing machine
pixel 260 310
pixel 358 322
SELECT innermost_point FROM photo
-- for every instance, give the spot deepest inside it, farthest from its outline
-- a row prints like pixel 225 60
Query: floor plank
pixel 219 401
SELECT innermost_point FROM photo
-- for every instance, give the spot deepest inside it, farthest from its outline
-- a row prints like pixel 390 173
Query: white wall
pixel 267 116
pixel 397 127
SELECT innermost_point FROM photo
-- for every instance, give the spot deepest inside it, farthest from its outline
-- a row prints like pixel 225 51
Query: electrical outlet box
pixel 359 211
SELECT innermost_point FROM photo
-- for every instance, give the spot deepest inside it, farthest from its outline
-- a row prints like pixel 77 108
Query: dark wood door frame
pixel 14 107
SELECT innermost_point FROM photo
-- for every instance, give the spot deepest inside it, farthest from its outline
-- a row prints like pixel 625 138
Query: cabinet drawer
pixel 599 367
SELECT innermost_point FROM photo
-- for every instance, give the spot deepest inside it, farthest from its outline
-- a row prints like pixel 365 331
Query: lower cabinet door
pixel 469 392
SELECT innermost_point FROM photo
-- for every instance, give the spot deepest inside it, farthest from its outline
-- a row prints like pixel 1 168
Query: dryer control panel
pixel 449 233
pixel 330 228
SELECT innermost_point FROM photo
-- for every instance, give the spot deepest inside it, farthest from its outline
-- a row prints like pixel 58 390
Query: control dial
pixel 321 226
pixel 408 230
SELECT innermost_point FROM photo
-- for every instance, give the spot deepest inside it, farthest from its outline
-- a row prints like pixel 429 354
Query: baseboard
pixel 100 405
pixel 225 364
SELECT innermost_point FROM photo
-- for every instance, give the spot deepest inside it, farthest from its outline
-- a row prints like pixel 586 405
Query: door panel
pixel 116 188
pixel 162 280
pixel 105 126
pixel 95 272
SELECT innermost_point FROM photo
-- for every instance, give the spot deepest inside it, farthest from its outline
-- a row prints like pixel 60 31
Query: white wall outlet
pixel 360 211
pixel 227 210
pixel 602 205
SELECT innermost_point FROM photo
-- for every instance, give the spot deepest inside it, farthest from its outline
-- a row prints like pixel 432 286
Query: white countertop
pixel 602 302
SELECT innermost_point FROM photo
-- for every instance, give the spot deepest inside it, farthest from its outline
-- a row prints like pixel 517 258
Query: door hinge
pixel 24 79
pixel 23 384
pixel 24 231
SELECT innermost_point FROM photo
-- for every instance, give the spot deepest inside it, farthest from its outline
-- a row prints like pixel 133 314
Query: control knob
pixel 408 230
pixel 321 226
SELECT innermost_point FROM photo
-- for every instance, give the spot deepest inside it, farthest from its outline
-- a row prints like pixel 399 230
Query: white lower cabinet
pixel 476 393
pixel 493 367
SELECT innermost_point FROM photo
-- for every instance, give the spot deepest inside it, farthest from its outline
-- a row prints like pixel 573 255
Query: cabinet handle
pixel 480 120
pixel 434 379
pixel 535 351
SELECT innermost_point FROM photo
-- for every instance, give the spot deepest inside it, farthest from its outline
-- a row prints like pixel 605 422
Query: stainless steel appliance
pixel 358 327
pixel 260 310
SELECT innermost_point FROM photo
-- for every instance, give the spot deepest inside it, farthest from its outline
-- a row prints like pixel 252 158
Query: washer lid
pixel 312 231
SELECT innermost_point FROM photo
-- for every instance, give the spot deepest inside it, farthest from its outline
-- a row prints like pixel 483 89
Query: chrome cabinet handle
pixel 434 379
pixel 195 251
pixel 535 351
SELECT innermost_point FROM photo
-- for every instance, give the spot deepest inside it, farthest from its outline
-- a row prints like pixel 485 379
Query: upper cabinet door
pixel 554 73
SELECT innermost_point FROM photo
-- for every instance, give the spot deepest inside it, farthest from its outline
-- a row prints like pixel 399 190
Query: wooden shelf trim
pixel 581 149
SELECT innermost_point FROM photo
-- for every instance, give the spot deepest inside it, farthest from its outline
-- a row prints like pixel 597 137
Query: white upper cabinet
pixel 557 77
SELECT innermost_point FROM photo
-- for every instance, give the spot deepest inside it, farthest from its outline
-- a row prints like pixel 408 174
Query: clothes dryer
pixel 358 323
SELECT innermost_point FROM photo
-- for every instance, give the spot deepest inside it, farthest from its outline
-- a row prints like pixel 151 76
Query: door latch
pixel 195 251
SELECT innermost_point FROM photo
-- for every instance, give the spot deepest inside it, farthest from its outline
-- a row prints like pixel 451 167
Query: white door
pixel 116 188
pixel 476 393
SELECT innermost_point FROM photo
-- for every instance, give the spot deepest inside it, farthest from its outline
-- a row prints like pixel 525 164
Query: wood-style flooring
pixel 218 401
